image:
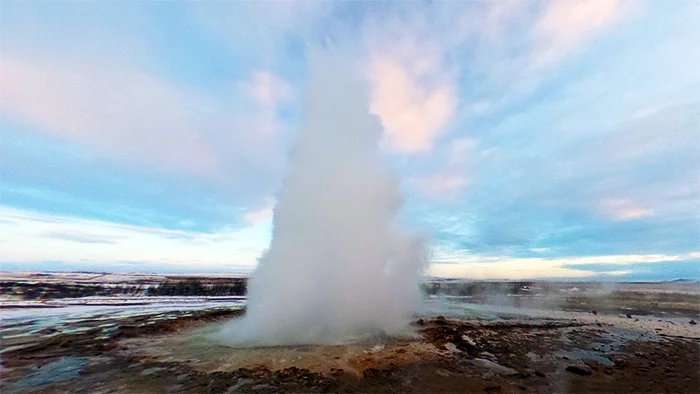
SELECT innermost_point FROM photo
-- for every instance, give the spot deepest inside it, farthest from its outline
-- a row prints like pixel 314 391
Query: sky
pixel 532 139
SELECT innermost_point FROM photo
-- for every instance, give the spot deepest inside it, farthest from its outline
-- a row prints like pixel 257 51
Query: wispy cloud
pixel 80 238
pixel 449 181
pixel 564 25
pixel 35 237
pixel 268 89
pixel 259 215
pixel 116 109
pixel 575 267
pixel 413 86
pixel 624 209
pixel 441 186
pixel 413 109
pixel 124 113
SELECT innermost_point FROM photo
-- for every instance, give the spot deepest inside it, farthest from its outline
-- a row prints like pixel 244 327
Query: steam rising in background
pixel 338 267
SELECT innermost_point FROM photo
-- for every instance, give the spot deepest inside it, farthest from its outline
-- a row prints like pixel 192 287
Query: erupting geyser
pixel 338 267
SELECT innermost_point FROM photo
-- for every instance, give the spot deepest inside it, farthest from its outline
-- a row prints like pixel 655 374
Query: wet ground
pixel 455 346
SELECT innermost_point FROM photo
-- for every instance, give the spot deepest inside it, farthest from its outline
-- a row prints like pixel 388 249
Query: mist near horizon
pixel 339 267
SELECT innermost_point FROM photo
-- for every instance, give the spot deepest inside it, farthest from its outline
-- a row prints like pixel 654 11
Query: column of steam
pixel 338 268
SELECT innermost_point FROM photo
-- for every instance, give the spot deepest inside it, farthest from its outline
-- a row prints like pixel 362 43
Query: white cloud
pixel 117 110
pixel 413 95
pixel 506 270
pixel 269 93
pixel 260 215
pixel 269 90
pixel 413 73
pixel 35 237
pixel 260 29
pixel 624 209
pixel 564 25
pixel 465 265
pixel 122 112
pixel 452 179
pixel 441 186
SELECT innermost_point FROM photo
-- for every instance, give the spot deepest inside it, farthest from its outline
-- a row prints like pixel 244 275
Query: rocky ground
pixel 162 353
pixel 490 337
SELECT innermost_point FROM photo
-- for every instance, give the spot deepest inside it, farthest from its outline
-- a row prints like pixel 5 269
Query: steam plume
pixel 338 266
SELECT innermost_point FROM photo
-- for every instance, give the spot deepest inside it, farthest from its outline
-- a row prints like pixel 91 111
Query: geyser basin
pixel 460 352
pixel 197 349
pixel 449 355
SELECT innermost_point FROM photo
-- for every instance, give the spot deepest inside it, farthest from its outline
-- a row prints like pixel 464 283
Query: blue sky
pixel 553 139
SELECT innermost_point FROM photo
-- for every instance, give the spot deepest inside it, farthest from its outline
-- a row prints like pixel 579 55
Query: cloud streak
pixel 138 119
pixel 36 238
pixel 115 109
pixel 574 267
pixel 414 111
pixel 564 25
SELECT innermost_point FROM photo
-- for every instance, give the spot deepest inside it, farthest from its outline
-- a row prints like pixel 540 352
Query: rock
pixel 420 322
pixel 373 373
pixel 150 371
pixel 337 371
pixel 582 371
pixel 493 367
pixel 443 373
pixel 524 375
pixel 239 385
pixel 692 322
pixel 451 347
pixel 261 387
pixel 595 312
pixel 591 364
pixel 488 356
pixel 468 340
pixel 377 348
pixel 628 316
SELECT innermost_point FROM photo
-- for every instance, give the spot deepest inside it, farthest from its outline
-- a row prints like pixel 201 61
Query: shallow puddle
pixel 65 368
